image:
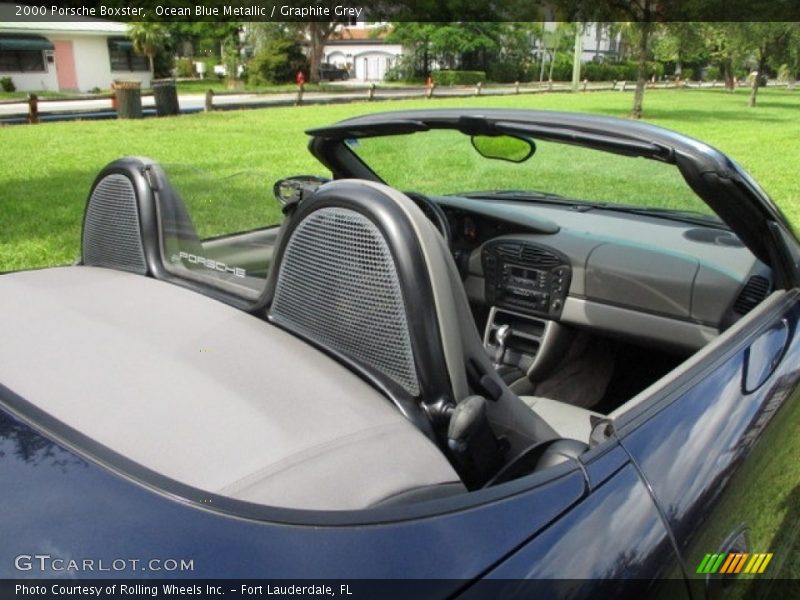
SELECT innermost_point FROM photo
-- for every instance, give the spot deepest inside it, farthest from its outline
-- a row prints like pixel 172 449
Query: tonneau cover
pixel 205 394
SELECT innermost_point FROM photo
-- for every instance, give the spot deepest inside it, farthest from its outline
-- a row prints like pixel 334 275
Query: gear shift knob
pixel 500 337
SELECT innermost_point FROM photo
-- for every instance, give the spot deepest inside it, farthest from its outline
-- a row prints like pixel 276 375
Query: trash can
pixel 166 97
pixel 129 99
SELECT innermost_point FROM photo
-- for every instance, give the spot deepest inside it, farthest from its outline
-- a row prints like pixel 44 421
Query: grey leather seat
pixel 361 273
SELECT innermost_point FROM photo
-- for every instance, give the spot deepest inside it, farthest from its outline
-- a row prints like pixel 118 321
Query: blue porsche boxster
pixel 479 345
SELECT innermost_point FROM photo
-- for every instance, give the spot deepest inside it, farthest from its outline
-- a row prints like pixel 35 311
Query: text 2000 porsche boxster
pixel 489 344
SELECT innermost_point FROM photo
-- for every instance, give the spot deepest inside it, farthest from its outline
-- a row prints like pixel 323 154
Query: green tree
pixel 724 48
pixel 639 34
pixel 313 35
pixel 514 59
pixel 148 39
pixel 554 41
pixel 276 60
pixel 192 37
pixel 754 45
pixel 417 39
pixel 317 35
pixel 767 42
pixel 680 42
pixel 467 46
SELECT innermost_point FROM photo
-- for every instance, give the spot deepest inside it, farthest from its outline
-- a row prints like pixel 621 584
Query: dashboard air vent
pixel 752 294
pixel 508 250
pixel 537 256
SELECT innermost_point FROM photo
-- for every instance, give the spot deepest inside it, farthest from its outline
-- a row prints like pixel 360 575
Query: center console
pixel 526 286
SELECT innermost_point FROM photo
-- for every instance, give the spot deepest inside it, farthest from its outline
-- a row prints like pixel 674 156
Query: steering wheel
pixel 434 212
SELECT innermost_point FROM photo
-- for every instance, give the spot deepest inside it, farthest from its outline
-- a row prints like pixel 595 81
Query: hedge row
pixel 458 77
pixel 627 71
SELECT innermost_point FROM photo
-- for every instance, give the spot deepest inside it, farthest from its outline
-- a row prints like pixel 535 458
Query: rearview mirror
pixel 503 147
pixel 291 189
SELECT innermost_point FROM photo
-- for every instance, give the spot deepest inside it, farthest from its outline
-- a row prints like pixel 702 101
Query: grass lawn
pixel 48 168
pixel 24 95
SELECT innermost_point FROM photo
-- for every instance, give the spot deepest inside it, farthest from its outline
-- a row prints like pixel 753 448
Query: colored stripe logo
pixel 734 562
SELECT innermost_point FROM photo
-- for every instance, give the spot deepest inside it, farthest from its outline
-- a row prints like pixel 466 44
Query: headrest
pixel 351 275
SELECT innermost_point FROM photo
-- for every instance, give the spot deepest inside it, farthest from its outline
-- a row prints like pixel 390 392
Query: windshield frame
pixel 714 177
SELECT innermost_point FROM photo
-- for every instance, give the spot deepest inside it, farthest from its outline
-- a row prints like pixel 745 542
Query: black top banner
pixel 402 10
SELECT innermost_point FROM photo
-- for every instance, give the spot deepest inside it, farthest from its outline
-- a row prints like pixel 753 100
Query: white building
pixel 362 50
pixel 68 55
pixel 600 43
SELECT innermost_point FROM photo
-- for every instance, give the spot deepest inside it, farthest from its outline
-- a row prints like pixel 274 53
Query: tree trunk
pixel 727 74
pixel 754 85
pixel 641 71
pixel 318 34
pixel 315 51
pixel 541 68
pixel 576 57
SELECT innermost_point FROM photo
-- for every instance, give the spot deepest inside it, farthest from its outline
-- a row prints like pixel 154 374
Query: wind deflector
pixel 362 130
pixel 608 143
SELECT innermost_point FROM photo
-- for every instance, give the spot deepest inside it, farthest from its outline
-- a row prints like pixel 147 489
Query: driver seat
pixel 362 274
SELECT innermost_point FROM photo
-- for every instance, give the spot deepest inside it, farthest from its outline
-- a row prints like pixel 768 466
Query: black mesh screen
pixel 338 285
pixel 111 233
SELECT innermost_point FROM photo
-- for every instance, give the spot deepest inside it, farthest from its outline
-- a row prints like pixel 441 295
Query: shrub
pixel 277 62
pixel 625 71
pixel 402 70
pixel 687 74
pixel 506 72
pixel 7 84
pixel 211 62
pixel 562 69
pixel 711 74
pixel 458 77
pixel 184 67
pixel 655 69
pixel 600 72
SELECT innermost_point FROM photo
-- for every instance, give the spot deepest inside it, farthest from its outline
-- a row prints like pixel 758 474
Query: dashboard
pixel 650 279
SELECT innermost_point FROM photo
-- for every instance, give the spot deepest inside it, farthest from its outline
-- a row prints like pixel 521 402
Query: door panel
pixel 65 66
pixel 613 544
pixel 722 458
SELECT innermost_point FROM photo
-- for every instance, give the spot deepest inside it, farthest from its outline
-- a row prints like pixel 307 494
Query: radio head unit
pixel 527 277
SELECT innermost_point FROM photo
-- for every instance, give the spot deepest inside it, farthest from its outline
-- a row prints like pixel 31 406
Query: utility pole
pixel 576 59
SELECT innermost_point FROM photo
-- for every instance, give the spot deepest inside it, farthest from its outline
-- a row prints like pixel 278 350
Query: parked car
pixel 331 72
pixel 496 345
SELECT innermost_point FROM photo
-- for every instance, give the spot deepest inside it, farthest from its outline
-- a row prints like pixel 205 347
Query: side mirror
pixel 291 189
pixel 504 147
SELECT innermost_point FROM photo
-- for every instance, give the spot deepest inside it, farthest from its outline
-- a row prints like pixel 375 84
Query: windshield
pixel 444 162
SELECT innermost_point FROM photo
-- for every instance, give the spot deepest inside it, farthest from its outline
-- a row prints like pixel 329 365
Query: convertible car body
pixel 496 344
